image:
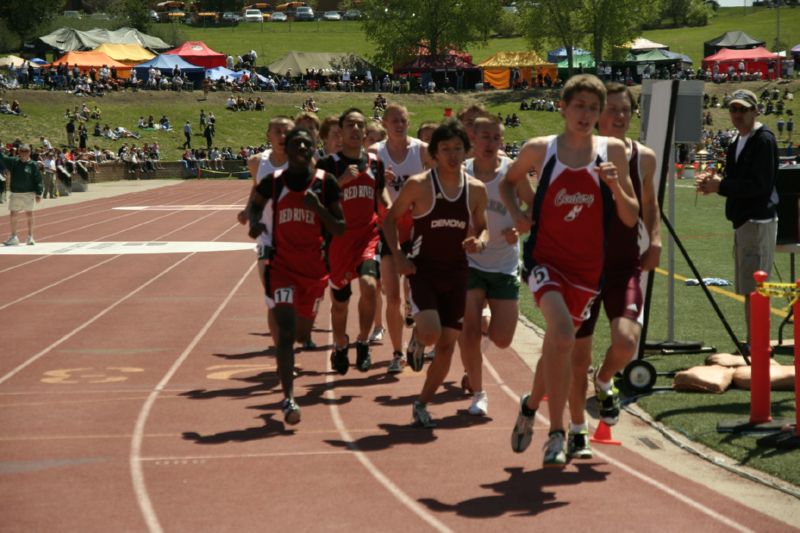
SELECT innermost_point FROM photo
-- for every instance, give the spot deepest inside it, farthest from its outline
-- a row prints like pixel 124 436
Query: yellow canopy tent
pixel 497 69
pixel 130 54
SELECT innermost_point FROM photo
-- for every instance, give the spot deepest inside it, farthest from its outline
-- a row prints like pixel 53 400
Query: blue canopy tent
pixel 218 73
pixel 560 54
pixel 166 63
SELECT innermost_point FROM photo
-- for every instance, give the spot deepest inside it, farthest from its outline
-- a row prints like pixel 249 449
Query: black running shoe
pixel 415 353
pixel 363 358
pixel 339 360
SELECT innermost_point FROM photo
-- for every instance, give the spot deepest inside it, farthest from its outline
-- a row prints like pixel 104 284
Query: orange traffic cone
pixel 602 435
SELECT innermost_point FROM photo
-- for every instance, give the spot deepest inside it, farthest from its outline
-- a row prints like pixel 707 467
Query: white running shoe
pixel 522 434
pixel 377 335
pixel 480 404
pixel 12 241
pixel 397 363
pixel 420 415
pixel 555 454
pixel 31 242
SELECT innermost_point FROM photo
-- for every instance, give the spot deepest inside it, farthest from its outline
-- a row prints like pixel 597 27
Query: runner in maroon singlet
pixel 578 174
pixel 444 203
pixel 299 203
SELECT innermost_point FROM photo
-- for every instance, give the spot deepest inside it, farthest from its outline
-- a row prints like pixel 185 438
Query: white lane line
pixel 622 466
pixel 235 456
pixel 137 475
pixel 369 466
pixel 25 263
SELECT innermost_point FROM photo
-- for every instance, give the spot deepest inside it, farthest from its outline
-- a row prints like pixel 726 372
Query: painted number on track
pixel 69 376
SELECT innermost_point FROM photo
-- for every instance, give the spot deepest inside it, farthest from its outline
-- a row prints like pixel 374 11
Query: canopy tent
pixel 497 69
pixel 796 49
pixel 92 59
pixel 9 60
pixel 68 39
pixel 130 54
pixel 219 73
pixel 198 53
pixel 445 70
pixel 584 60
pixel 755 60
pixel 300 62
pixel 554 56
pixel 738 40
pixel 657 56
pixel 38 61
pixel 166 64
pixel 640 44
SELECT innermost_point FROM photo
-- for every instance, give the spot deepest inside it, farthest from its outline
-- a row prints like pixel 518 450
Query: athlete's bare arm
pixel 614 173
pixel 332 217
pixel 254 208
pixel 477 205
pixel 530 157
pixel 252 166
pixel 425 156
pixel 413 194
pixel 651 214
pixel 525 193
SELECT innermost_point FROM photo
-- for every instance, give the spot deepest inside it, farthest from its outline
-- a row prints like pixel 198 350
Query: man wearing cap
pixel 748 186
pixel 26 188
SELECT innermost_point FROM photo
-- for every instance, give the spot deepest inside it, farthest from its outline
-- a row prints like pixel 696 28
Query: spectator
pixel 26 188
pixel 187 133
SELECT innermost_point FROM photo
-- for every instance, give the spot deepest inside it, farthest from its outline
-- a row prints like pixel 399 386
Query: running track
pixel 137 394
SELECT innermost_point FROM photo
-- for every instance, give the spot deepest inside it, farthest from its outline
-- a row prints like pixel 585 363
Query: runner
pixel 402 157
pixel 356 253
pixel 578 174
pixel 299 202
pixel 494 273
pixel 444 202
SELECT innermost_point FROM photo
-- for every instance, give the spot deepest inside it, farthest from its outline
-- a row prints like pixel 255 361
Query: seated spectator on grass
pixel 141 123
pixel 164 123
pixel 16 109
pixel 230 103
pixel 259 104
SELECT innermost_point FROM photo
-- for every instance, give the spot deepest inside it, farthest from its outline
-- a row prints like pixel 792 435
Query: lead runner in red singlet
pixel 444 203
pixel 297 203
pixel 629 252
pixel 581 179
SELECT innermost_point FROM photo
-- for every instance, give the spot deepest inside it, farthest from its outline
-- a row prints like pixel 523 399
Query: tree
pixel 135 12
pixel 549 22
pixel 612 23
pixel 400 27
pixel 24 16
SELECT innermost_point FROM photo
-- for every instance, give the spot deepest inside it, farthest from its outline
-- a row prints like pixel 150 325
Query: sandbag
pixel 710 378
pixel 781 377
pixel 729 360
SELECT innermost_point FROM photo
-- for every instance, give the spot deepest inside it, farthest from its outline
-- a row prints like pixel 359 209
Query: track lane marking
pixel 621 465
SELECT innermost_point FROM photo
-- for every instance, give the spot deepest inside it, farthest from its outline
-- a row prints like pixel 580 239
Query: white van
pixel 253 15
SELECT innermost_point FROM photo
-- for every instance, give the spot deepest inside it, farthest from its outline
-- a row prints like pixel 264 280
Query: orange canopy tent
pixel 497 69
pixel 92 58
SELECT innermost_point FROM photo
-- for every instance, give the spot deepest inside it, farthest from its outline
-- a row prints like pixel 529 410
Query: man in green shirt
pixel 26 189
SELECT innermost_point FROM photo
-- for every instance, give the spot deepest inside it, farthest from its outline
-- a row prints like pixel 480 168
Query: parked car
pixel 304 13
pixel 230 18
pixel 153 16
pixel 253 15
pixel 72 14
pixel 331 15
pixel 352 14
pixel 279 16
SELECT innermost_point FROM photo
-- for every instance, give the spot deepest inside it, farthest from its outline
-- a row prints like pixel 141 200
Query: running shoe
pixel 12 241
pixel 420 415
pixel 339 360
pixel 291 411
pixel 415 353
pixel 578 446
pixel 363 357
pixel 554 453
pixel 479 405
pixel 522 434
pixel 409 316
pixel 377 335
pixel 397 363
pixel 31 242
pixel 428 356
pixel 309 345
pixel 607 403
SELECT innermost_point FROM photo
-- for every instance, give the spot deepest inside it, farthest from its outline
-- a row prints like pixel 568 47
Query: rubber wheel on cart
pixel 639 376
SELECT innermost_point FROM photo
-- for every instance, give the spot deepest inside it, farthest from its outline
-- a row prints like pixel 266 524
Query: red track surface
pixel 136 393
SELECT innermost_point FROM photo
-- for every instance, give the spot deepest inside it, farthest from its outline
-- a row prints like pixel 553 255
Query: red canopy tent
pixel 755 60
pixel 197 53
